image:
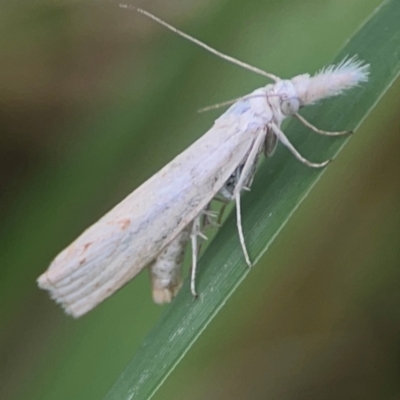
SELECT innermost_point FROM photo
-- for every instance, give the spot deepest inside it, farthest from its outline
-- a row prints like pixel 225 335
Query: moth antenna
pixel 201 44
pixel 331 81
pixel 222 104
pixel 227 103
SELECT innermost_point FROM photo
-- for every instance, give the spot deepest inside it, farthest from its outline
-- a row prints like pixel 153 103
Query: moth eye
pixel 290 105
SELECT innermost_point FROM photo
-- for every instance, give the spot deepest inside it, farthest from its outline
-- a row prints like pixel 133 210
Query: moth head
pixel 290 105
pixel 330 81
pixel 288 99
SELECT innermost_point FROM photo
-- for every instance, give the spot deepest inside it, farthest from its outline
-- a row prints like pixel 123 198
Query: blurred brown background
pixel 93 100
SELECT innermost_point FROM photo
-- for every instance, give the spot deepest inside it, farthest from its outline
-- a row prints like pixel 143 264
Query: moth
pixel 152 226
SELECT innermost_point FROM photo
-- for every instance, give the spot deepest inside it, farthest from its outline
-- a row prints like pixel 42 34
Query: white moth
pixel 152 226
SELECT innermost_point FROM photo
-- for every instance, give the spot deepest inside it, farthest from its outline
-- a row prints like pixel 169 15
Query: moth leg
pixel 285 141
pixel 166 271
pixel 195 231
pixel 245 178
pixel 210 218
pixel 240 229
pixel 224 199
pixel 319 131
pixel 249 165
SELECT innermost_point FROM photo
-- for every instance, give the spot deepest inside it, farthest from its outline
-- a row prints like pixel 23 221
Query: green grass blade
pixel 280 186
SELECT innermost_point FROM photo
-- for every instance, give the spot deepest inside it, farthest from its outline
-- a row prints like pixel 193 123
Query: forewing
pixel 117 247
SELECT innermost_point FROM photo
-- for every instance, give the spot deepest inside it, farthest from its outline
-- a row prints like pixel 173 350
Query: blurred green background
pixel 94 100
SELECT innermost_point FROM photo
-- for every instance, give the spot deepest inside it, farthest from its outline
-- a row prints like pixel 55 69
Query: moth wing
pixel 118 246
